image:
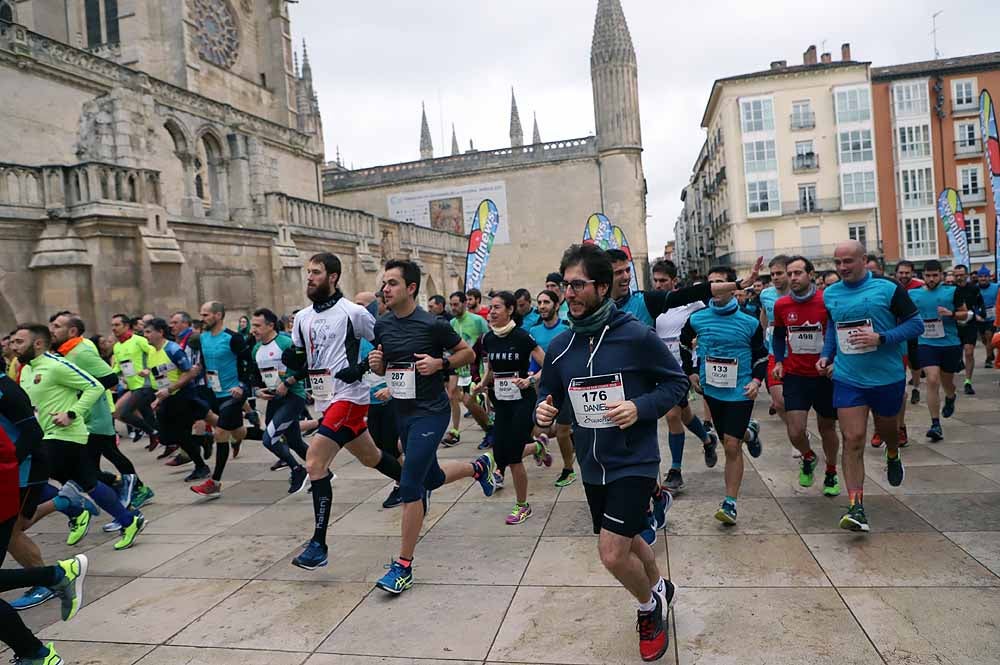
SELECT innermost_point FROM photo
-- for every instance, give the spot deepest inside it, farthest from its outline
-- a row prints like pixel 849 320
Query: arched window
pixel 6 12
pixel 209 170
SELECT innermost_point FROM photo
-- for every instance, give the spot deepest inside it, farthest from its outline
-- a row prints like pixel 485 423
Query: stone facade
pixel 144 169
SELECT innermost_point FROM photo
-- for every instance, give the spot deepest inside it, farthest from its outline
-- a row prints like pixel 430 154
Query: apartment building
pixel 927 138
pixel 789 164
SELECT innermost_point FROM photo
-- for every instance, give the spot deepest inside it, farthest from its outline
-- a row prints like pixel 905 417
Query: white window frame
pixel 810 248
pixel 813 201
pixel 753 149
pixel 766 120
pixel 802 114
pixel 772 198
pixel 910 97
pixel 964 142
pixel 913 141
pixel 864 198
pixel 976 224
pixel 916 187
pixel 964 103
pixel 852 105
pixel 862 138
pixel 858 231
pixel 923 228
pixel 967 177
pixel 803 148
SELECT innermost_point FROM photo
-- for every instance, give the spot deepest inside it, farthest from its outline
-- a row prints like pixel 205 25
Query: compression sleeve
pixel 238 345
pixel 830 340
pixel 778 343
pixel 687 342
pixel 758 352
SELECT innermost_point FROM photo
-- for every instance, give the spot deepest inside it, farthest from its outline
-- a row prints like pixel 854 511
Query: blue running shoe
pixel 948 410
pixel 126 489
pixel 33 597
pixel 662 501
pixel 726 513
pixel 312 557
pixel 77 499
pixel 397 580
pixel 486 469
pixel 753 444
pixel 487 441
pixel 649 533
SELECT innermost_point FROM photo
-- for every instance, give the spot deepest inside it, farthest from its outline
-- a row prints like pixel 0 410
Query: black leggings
pixel 136 411
pixel 178 414
pixel 13 632
pixel 282 432
pixel 105 445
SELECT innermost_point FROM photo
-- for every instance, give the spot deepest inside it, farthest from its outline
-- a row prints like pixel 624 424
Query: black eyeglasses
pixel 576 284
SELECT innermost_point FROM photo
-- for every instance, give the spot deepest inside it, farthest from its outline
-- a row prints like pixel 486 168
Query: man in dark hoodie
pixel 620 379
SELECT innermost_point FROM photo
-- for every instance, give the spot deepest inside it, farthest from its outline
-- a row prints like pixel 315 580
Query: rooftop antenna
pixel 934 30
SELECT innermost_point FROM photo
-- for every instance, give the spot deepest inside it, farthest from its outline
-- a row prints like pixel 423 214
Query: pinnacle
pixel 535 136
pixel 516 133
pixel 426 146
pixel 612 41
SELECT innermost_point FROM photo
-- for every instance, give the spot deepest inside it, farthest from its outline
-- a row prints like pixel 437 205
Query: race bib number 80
pixel 591 397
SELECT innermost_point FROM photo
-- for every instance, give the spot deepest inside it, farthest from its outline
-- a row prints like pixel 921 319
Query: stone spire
pixel 516 133
pixel 454 141
pixel 614 76
pixel 535 136
pixel 295 63
pixel 426 147
pixel 307 72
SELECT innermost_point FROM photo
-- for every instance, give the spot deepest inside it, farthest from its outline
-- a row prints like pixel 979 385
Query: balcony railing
pixel 973 195
pixel 805 206
pixel 805 162
pixel 745 258
pixel 920 249
pixel 965 107
pixel 972 147
pixel 803 120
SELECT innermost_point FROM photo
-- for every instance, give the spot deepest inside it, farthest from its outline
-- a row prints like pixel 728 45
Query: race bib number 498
pixel 591 397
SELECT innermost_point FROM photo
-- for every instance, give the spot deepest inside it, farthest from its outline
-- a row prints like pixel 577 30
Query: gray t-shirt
pixel 401 339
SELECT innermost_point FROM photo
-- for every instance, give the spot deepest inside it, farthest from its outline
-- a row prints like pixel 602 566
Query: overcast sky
pixel 374 62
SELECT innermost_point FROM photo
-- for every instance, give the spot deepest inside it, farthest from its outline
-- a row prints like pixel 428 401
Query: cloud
pixel 375 62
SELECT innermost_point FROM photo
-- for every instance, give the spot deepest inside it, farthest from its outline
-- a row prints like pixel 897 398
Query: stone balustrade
pixel 51 187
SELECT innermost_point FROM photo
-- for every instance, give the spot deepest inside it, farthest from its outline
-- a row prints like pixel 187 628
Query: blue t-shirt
pixel 220 356
pixel 989 294
pixel 531 319
pixel 885 304
pixel 544 336
pixel 768 297
pixel 725 333
pixel 927 302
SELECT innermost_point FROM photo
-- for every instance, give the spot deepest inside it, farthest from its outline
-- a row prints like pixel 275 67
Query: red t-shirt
pixel 914 283
pixel 806 324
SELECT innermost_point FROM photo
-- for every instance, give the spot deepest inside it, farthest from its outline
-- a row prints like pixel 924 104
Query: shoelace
pixel 645 625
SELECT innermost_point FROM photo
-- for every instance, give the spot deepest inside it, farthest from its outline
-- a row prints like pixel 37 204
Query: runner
pixel 549 327
pixel 436 305
pixel 939 351
pixel 20 438
pixel 281 433
pixel 620 379
pixel 972 297
pixel 474 298
pixel 553 282
pixel 904 275
pixel 470 327
pixel 526 309
pixel 225 357
pixel 799 322
pixel 668 328
pixel 61 392
pixel 769 296
pixel 327 342
pixel 874 265
pixel 133 408
pixel 870 320
pixel 986 323
pixel 409 348
pixel 732 360
pixel 509 349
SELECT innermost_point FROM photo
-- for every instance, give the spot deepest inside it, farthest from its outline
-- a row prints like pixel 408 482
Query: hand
pixel 546 413
pixel 624 414
pixel 61 419
pixel 236 392
pixel 778 371
pixel 696 383
pixel 281 390
pixel 426 365
pixel 162 393
pixel 383 394
pixel 376 360
pixel 944 312
pixel 823 366
pixel 144 372
pixel 748 281
pixel 863 339
pixel 523 384
pixel 751 389
pixel 263 393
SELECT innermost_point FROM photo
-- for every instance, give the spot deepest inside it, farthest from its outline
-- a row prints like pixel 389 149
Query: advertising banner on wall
pixel 601 232
pixel 484 227
pixel 953 218
pixel 991 148
pixel 450 208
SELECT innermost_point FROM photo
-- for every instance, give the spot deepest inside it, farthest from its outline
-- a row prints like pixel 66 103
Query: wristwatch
pixel 71 415
pixel 881 339
pixel 445 364
pixel 532 380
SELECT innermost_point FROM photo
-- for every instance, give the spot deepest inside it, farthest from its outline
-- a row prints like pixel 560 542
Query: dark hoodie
pixel 651 379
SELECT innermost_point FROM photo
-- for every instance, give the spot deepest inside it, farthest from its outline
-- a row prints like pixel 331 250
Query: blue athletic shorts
pixel 948 358
pixel 884 400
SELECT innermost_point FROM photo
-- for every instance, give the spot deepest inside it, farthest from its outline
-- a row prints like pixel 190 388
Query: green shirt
pixel 85 356
pixel 56 385
pixel 130 359
pixel 470 327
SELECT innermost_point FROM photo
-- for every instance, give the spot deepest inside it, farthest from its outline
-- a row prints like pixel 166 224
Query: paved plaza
pixel 211 583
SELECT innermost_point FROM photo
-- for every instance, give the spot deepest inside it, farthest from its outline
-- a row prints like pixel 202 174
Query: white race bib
pixel 806 339
pixel 402 380
pixel 933 329
pixel 464 381
pixel 128 368
pixel 213 381
pixel 674 345
pixel 271 377
pixel 769 335
pixel 991 313
pixel 504 388
pixel 321 382
pixel 722 372
pixel 160 375
pixel 844 330
pixel 590 397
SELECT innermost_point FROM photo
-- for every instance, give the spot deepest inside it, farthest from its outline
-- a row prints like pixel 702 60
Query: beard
pixel 26 357
pixel 319 293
